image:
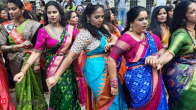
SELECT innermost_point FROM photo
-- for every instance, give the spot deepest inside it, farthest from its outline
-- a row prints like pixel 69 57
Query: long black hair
pixel 20 5
pixel 132 15
pixel 43 3
pixel 70 5
pixel 62 14
pixel 88 11
pixel 169 7
pixel 154 24
pixel 1 9
pixel 179 16
pixel 107 15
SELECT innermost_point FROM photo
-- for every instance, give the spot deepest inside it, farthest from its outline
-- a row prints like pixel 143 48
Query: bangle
pixel 14 48
pixel 36 64
pixel 56 77
pixel 25 68
pixel 157 54
pixel 114 82
pixel 161 62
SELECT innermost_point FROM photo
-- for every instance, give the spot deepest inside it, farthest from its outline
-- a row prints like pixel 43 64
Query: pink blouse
pixel 44 38
pixel 132 50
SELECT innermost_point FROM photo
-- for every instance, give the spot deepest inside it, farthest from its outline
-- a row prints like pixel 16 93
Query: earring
pixel 184 22
pixel 22 12
pixel 48 21
pixel 69 23
pixel 60 19
pixel 87 21
pixel 130 29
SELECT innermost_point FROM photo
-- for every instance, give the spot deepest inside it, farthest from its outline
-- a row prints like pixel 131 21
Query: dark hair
pixel 43 3
pixel 1 9
pixel 20 5
pixel 154 24
pixel 68 16
pixel 114 11
pixel 62 14
pixel 169 7
pixel 77 8
pixel 70 5
pixel 132 15
pixel 180 15
pixel 88 11
pixel 106 21
pixel 33 17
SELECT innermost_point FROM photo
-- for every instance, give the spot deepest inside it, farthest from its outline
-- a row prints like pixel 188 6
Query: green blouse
pixel 181 43
pixel 72 9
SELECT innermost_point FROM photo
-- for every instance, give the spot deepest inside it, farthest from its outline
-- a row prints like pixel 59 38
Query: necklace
pixel 56 35
pixel 163 30
pixel 193 33
pixel 140 37
pixel 19 23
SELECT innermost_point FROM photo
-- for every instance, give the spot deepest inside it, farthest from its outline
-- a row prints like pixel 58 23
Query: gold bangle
pixel 25 68
pixel 161 63
pixel 36 64
pixel 56 77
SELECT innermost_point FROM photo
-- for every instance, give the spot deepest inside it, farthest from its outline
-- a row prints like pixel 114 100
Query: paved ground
pixel 16 105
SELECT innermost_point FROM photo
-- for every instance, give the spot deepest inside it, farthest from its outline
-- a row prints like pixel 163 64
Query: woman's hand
pixel 108 46
pixel 151 60
pixel 18 77
pixel 67 10
pixel 37 69
pixel 114 91
pixel 51 82
pixel 25 44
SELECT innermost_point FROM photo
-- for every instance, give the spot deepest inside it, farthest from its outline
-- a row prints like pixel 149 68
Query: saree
pixel 144 85
pixel 29 93
pixel 4 90
pixel 165 37
pixel 65 94
pixel 179 77
pixel 95 71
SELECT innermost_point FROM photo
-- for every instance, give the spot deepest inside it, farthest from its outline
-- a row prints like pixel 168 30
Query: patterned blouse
pixel 85 41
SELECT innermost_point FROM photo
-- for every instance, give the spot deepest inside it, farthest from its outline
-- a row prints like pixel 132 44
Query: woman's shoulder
pixel 85 32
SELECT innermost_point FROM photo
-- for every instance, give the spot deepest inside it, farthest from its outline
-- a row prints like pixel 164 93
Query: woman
pixel 57 36
pixel 170 10
pixel 79 10
pixel 93 41
pixel 144 83
pixel 110 24
pixel 3 16
pixel 69 7
pixel 40 11
pixel 24 30
pixel 160 25
pixel 179 74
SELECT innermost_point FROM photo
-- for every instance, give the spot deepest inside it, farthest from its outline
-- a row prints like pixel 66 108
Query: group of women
pixel 162 55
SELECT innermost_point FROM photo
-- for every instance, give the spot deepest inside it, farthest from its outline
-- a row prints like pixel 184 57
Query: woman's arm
pixel 164 59
pixel 64 65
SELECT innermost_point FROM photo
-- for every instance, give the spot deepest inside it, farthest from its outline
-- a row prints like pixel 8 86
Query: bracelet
pixel 14 48
pixel 25 68
pixel 56 77
pixel 157 54
pixel 161 62
pixel 36 64
pixel 114 82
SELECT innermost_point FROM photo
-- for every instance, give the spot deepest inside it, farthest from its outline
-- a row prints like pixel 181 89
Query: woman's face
pixel 80 10
pixel 191 13
pixel 53 14
pixel 171 13
pixel 96 19
pixel 67 1
pixel 14 11
pixel 40 3
pixel 140 23
pixel 162 16
pixel 111 16
pixel 3 15
pixel 74 19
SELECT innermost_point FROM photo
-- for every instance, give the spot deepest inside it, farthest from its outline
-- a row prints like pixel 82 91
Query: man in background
pixel 27 5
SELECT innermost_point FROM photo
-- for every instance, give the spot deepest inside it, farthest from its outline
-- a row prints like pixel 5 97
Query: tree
pixel 3 4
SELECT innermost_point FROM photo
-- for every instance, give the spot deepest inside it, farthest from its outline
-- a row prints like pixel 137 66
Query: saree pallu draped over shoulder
pixel 65 94
pixel 97 77
pixel 29 93
pixel 144 83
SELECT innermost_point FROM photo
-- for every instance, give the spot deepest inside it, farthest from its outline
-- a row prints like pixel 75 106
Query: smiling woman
pixel 25 31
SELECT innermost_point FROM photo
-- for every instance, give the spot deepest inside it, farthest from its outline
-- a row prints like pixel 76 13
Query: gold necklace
pixel 193 31
pixel 140 37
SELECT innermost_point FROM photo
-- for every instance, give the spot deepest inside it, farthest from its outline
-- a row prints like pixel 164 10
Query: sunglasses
pixel 97 2
pixel 80 9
